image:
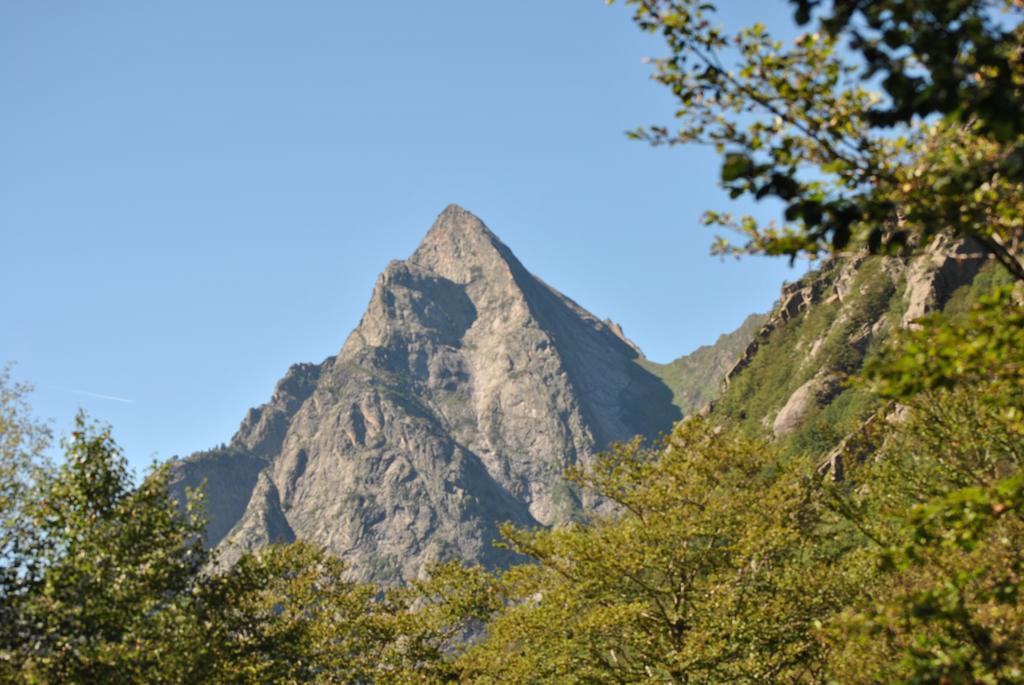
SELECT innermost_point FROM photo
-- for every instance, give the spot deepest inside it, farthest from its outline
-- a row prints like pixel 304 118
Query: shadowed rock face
pixel 455 405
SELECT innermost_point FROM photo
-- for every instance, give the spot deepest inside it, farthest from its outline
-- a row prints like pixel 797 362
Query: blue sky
pixel 195 195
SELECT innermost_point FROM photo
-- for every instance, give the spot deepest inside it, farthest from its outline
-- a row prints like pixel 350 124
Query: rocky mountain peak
pixel 461 248
pixel 456 404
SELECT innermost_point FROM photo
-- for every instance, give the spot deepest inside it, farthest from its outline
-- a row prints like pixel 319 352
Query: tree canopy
pixel 921 136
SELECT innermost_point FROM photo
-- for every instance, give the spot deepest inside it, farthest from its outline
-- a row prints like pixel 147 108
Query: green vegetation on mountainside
pixel 696 378
pixel 990 277
pixel 832 335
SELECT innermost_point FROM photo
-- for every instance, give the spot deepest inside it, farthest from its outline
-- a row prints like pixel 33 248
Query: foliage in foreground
pixel 683 583
pixel 937 149
pixel 106 580
pixel 725 562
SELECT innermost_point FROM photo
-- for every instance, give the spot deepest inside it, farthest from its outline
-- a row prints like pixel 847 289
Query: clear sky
pixel 195 195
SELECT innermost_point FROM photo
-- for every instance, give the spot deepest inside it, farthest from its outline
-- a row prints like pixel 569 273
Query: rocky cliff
pixel 455 405
pixel 790 382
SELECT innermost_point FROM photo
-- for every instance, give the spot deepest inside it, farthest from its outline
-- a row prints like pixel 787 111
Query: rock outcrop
pixel 823 328
pixel 812 395
pixel 932 278
pixel 455 405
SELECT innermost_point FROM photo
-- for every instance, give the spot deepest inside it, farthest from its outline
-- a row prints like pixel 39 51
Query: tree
pixel 708 571
pixel 942 504
pixel 939 151
pixel 106 580
pixel 22 444
pixel 113 568
pixel 287 614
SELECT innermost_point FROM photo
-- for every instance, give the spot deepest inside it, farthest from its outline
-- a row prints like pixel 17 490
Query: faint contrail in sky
pixel 94 394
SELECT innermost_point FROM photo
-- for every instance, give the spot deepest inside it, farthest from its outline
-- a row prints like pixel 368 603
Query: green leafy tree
pixel 106 580
pixel 707 571
pixel 22 444
pixel 955 59
pixel 287 614
pixel 436 619
pixel 942 503
pixel 942 508
pixel 116 560
pixel 939 150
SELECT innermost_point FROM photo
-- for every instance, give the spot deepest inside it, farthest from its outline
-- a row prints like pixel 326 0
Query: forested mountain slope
pixel 791 380
pixel 696 378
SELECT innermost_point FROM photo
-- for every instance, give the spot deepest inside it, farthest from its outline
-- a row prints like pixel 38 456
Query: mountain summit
pixel 466 389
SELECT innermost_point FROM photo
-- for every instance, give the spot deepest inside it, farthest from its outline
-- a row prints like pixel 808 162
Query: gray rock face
pixel 264 523
pixel 455 405
pixel 931 279
pixel 815 393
